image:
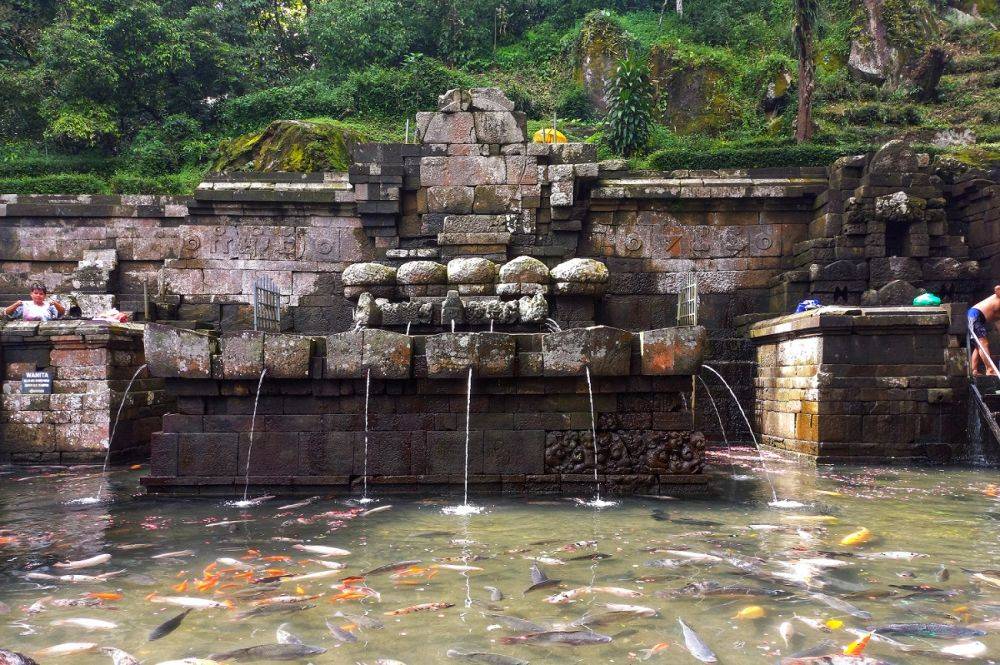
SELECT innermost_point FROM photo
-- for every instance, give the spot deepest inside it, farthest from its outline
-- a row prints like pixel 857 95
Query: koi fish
pixel 422 607
pixel 859 537
pixel 83 563
pixel 193 603
pixel 321 550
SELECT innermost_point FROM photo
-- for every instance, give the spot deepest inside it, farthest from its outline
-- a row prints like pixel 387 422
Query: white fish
pixel 640 610
pixel 454 566
pixel 973 649
pixel 67 649
pixel 818 562
pixel 84 563
pixel 299 504
pixel 616 591
pixel 322 550
pixel 119 657
pixel 567 596
pixel 547 560
pixel 375 510
pixel 73 579
pixel 172 555
pixel 787 631
pixel 696 645
pixel 332 565
pixel 189 661
pixel 227 523
pixel 895 556
pixel 86 624
pixel 234 563
pixel 815 624
pixel 283 636
pixel 312 576
pixel 193 603
pixel 694 556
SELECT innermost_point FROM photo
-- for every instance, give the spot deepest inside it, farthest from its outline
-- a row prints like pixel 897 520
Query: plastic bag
pixel 926 300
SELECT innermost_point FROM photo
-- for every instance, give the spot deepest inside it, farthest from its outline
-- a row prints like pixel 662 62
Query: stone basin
pixel 451 355
pixel 351 355
pixel 605 350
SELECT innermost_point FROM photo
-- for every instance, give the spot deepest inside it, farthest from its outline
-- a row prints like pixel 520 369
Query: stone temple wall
pixel 871 229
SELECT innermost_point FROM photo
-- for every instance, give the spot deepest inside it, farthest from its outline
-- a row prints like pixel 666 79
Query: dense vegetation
pixel 138 96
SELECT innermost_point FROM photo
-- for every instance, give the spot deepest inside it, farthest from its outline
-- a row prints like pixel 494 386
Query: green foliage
pixel 630 97
pixel 60 183
pixel 402 91
pixel 176 143
pixel 80 124
pixel 751 156
pixel 300 100
pixel 886 114
pixel 182 183
pixel 574 103
pixel 18 160
pixel 347 35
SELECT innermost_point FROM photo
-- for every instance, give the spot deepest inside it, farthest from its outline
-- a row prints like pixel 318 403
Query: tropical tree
pixel 630 99
pixel 805 26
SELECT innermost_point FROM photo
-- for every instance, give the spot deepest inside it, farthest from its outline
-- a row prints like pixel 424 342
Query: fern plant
pixel 630 98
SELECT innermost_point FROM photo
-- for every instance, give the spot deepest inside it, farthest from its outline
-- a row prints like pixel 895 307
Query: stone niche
pixel 91 364
pixel 863 384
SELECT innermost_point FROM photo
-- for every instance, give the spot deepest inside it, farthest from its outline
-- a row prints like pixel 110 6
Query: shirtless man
pixel 985 313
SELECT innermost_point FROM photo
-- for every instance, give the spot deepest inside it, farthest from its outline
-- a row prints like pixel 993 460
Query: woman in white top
pixel 36 309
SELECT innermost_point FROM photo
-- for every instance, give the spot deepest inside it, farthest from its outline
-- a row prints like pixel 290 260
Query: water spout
pixel 364 473
pixel 408 328
pixel 552 325
pixel 774 495
pixel 114 428
pixel 253 425
pixel 453 325
pixel 596 502
pixel 722 428
pixel 465 508
pixel 491 325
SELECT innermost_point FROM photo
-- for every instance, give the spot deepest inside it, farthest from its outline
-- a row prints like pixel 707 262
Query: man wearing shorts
pixel 984 314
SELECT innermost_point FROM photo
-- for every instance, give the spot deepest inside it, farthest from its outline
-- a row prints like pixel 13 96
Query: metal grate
pixel 266 305
pixel 687 301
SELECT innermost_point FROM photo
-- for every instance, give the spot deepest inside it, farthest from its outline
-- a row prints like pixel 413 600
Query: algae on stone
pixel 290 145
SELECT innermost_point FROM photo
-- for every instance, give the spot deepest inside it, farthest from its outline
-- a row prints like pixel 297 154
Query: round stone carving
pixel 369 274
pixel 584 271
pixel 524 270
pixel 471 270
pixel 633 243
pixel 421 272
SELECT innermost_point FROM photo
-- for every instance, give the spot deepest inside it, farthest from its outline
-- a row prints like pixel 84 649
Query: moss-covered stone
pixel 602 42
pixel 689 92
pixel 290 145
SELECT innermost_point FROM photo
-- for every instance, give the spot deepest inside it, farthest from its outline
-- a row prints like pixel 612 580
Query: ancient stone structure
pixel 874 384
pixel 530 420
pixel 478 226
pixel 90 364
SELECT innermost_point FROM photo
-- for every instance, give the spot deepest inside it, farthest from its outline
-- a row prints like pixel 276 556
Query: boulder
pixel 898 293
pixel 421 272
pixel 689 93
pixel 533 309
pixel 890 41
pixel 471 270
pixel 369 274
pixel 524 270
pixel 601 44
pixel 585 271
pixel 893 158
pixel 900 208
pixel 290 145
pixel 454 100
pixel 489 99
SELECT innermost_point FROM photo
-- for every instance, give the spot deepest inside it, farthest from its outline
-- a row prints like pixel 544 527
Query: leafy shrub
pixel 61 183
pixel 177 142
pixel 751 156
pixel 630 97
pixel 886 114
pixel 304 99
pixel 574 103
pixel 396 91
pixel 352 34
pixel 21 160
pixel 183 183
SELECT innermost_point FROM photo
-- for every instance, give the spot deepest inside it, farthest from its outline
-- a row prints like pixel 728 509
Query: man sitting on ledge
pixel 36 309
pixel 986 312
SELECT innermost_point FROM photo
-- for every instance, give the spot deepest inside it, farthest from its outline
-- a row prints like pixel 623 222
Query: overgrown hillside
pixel 107 95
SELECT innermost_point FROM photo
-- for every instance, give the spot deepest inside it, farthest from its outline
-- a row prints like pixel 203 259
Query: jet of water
pixel 722 428
pixel 593 434
pixel 107 453
pixel 253 424
pixel 453 325
pixel 553 325
pixel 756 443
pixel 408 328
pixel 364 476
pixel 468 415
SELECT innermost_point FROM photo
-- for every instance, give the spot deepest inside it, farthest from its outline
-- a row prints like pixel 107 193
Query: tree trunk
pixel 680 7
pixel 805 13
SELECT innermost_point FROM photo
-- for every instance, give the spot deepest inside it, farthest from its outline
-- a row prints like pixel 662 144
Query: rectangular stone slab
pixel 177 353
pixel 242 355
pixel 671 351
pixel 343 355
pixel 386 354
pixel 287 356
pixel 607 351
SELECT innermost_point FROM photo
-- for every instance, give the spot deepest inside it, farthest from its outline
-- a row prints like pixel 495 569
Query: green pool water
pixel 947 517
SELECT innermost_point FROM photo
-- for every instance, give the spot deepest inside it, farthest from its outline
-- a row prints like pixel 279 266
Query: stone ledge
pixel 871 319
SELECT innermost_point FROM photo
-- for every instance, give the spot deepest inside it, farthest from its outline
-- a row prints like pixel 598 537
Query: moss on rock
pixel 290 145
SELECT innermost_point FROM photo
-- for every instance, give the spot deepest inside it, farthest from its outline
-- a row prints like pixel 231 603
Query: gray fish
pixel 695 645
pixel 943 630
pixel 14 658
pixel 271 609
pixel 300 504
pixel 570 637
pixel 596 556
pixel 942 574
pixel 539 580
pixel 362 621
pixel 495 594
pixel 486 657
pixel 840 605
pixel 390 567
pixel 269 652
pixel 341 634
pixel 119 657
pixel 168 626
pixel 517 623
pixel 710 589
